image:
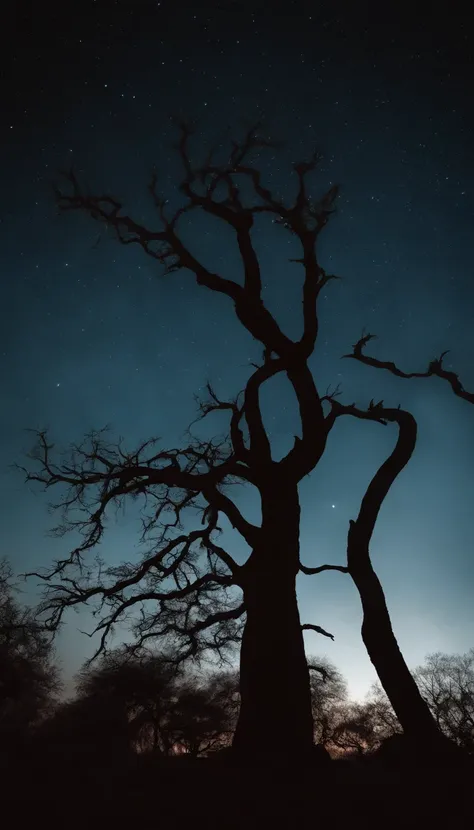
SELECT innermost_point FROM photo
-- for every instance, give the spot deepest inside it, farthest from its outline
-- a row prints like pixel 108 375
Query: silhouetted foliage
pixel 143 687
pixel 93 730
pixel 446 682
pixel 328 694
pixel 197 723
pixel 29 679
pixel 103 744
pixel 187 590
pixel 356 729
pixel 166 711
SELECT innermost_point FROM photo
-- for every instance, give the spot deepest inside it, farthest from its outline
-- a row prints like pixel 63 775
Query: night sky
pixel 92 333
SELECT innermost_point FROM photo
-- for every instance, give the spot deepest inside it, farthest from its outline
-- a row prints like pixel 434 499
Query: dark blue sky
pixel 92 334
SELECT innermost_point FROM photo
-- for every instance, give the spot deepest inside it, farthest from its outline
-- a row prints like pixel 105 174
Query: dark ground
pixel 89 791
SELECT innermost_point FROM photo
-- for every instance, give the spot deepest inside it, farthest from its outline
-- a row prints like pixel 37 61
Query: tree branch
pixel 318 629
pixel 222 503
pixel 214 404
pixel 320 669
pixel 259 443
pixel 321 568
pixel 304 218
pixel 306 451
pixel 435 368
pixel 231 210
pixel 385 476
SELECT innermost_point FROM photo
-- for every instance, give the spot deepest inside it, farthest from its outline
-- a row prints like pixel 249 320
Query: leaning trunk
pixel 275 712
pixel 411 710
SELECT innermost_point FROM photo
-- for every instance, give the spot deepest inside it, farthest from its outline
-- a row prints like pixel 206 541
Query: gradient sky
pixel 92 334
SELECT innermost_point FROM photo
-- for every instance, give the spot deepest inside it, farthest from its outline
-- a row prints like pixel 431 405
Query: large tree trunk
pixel 412 711
pixel 275 713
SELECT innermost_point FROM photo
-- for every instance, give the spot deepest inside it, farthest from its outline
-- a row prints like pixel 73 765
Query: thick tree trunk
pixel 412 711
pixel 275 713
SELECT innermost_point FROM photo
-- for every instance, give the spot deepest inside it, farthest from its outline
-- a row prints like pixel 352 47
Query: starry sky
pixel 92 334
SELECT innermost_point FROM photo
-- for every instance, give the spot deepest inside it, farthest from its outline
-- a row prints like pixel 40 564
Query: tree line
pixel 127 705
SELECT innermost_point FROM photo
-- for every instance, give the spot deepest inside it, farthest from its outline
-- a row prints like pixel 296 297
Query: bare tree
pixel 446 682
pixel 197 720
pixel 382 712
pixel 328 694
pixel 355 730
pixel 187 588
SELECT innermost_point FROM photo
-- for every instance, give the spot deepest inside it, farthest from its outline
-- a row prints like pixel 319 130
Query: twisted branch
pixel 435 368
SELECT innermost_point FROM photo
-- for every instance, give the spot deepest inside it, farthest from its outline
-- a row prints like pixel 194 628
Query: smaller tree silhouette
pixel 165 711
pixel 91 731
pixel 356 731
pixel 385 720
pixel 143 687
pixel 197 721
pixel 328 694
pixel 29 679
pixel 446 682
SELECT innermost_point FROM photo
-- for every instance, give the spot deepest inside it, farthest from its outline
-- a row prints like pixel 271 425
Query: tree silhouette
pixel 385 720
pixel 29 679
pixel 90 729
pixel 446 682
pixel 355 732
pixel 197 722
pixel 187 589
pixel 143 687
pixel 328 694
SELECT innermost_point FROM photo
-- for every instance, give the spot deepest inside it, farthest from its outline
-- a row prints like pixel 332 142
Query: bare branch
pixel 97 475
pixel 181 587
pixel 374 412
pixel 362 529
pixel 259 442
pixel 223 626
pixel 318 629
pixel 231 209
pixel 200 186
pixel 391 467
pixel 435 368
pixel 162 245
pixel 321 568
pixel 306 451
pixel 214 404
pixel 224 504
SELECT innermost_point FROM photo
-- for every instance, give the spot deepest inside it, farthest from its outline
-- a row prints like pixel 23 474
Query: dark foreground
pixel 78 790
